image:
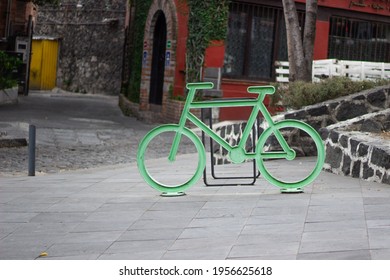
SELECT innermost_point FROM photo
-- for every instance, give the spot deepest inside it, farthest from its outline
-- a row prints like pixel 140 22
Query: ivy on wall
pixel 207 22
pixel 132 87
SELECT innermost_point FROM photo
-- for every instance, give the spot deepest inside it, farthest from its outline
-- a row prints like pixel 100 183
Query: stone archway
pixel 162 17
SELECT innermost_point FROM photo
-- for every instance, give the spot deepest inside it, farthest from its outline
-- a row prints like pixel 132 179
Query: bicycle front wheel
pixel 295 172
pixel 171 176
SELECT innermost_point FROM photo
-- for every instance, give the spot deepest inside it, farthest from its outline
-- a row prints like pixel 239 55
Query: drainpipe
pixel 8 19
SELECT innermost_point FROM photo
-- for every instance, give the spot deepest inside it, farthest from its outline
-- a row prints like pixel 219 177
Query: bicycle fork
pixel 175 146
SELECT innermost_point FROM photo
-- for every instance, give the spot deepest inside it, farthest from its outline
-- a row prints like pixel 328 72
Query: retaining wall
pixel 359 148
pixel 350 129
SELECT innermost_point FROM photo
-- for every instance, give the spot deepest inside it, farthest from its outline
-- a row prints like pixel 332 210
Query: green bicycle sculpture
pixel 238 152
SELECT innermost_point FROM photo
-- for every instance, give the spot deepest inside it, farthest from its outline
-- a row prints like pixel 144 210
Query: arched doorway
pixel 158 60
pixel 159 65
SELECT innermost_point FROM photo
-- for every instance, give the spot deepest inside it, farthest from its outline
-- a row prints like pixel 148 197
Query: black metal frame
pixel 256 173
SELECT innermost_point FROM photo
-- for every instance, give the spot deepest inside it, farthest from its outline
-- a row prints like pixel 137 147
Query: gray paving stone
pixel 212 253
pixel 275 229
pixel 281 237
pixel 264 250
pixel 218 221
pixel 224 212
pixel 211 231
pixel 81 257
pixel 271 219
pixel 341 226
pixel 330 241
pixel 379 238
pixel 137 246
pixel 17 217
pixel 341 255
pixel 202 243
pixel 162 223
pixel 77 249
pixel 138 255
pixel 151 234
pixel 381 223
pixel 380 254
pixel 65 217
pixel 91 236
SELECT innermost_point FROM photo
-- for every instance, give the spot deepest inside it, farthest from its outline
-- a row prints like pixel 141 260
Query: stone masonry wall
pixel 359 148
pixel 349 151
pixel 91 43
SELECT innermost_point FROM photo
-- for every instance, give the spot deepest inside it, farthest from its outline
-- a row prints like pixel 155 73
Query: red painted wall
pixel 379 7
pixel 215 54
pixel 235 89
pixel 182 16
pixel 322 40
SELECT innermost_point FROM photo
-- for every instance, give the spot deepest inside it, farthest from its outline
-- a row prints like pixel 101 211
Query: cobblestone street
pixel 72 132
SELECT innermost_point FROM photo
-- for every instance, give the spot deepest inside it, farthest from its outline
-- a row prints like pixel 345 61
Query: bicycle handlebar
pixel 261 89
pixel 203 85
pixel 252 89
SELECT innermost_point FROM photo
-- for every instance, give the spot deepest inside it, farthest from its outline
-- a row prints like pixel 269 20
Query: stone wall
pixel 343 108
pixel 345 125
pixel 91 43
pixel 359 148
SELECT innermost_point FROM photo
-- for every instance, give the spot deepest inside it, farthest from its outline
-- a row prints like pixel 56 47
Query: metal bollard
pixel 31 150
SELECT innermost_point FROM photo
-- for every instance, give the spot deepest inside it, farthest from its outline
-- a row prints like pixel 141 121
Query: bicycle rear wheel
pixel 303 168
pixel 170 176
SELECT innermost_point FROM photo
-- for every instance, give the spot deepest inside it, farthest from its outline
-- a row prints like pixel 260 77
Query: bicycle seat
pixel 261 89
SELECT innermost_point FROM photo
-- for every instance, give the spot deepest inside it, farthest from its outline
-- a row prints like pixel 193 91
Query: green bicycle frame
pixel 237 154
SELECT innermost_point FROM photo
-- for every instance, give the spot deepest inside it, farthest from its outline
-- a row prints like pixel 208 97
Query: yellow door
pixel 36 64
pixel 43 69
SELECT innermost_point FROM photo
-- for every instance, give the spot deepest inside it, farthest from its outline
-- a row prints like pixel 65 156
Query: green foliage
pixel 134 83
pixel 207 22
pixel 8 65
pixel 299 94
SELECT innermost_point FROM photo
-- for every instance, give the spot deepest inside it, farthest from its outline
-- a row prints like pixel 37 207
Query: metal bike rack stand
pixel 255 174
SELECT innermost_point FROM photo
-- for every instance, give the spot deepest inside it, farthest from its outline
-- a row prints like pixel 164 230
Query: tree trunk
pixel 309 35
pixel 300 51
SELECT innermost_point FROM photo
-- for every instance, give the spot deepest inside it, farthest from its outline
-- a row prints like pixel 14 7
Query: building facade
pixel 17 18
pixel 14 16
pixel 256 38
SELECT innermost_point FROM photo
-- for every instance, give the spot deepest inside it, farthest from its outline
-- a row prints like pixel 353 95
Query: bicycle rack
pixel 255 174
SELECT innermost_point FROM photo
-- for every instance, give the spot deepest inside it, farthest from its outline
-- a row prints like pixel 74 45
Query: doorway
pixel 43 69
pixel 158 60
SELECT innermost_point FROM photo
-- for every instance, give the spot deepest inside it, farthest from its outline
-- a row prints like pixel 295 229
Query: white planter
pixel 9 95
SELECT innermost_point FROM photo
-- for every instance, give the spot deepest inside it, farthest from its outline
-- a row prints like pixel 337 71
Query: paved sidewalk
pixel 110 213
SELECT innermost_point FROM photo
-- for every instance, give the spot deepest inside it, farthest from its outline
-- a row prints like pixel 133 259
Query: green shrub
pixel 8 66
pixel 299 94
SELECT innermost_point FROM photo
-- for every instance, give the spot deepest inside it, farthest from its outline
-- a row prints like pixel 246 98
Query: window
pixel 256 39
pixel 352 39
